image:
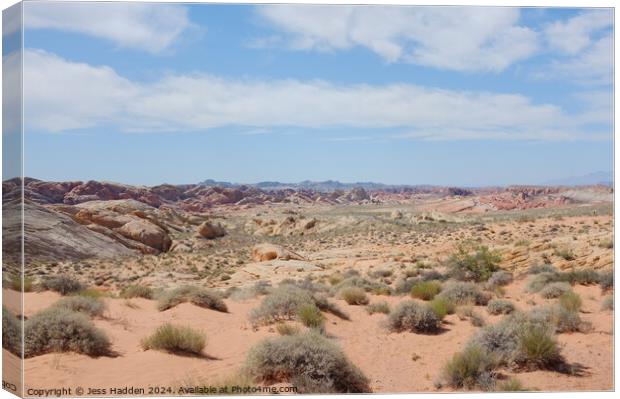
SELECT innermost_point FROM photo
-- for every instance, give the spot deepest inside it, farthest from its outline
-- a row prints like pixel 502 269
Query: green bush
pixel 571 301
pixel 471 368
pixel 198 296
pixel 415 317
pixel 309 360
pixel 608 303
pixel 310 316
pixel 325 305
pixel 441 307
pixel 463 293
pixel 539 349
pixel 61 330
pixel 93 307
pixel 175 339
pixel 137 291
pixel 582 276
pixel 426 290
pixel 62 284
pixel 478 266
pixel 555 290
pixel 378 307
pixel 11 332
pixel 15 283
pixel 354 296
pixel 500 306
pixel 560 318
pixel 565 253
pixel 404 285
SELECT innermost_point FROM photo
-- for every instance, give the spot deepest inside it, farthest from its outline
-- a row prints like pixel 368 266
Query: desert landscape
pixel 309 287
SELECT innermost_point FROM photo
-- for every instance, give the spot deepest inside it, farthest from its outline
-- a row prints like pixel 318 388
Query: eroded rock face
pixel 265 252
pixel 147 233
pixel 210 231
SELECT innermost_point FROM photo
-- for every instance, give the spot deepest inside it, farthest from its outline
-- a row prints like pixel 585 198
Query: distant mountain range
pixel 605 178
pixel 321 186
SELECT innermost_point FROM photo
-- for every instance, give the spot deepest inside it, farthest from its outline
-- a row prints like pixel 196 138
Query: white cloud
pixel 62 95
pixel 453 38
pixel 593 66
pixel 150 27
pixel 574 35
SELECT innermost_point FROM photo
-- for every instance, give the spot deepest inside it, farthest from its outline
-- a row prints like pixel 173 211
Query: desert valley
pixel 393 289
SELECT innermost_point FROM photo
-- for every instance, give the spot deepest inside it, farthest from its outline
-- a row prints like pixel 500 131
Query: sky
pixel 147 93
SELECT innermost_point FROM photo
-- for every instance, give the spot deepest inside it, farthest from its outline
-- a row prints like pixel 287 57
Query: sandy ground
pixel 394 362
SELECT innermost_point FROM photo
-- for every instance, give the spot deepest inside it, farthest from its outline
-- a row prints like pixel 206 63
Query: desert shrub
pixel 93 307
pixel 415 317
pixel 92 293
pixel 441 307
pixel 404 285
pixel 382 290
pixel 335 278
pixel 606 280
pixel 259 288
pixel 608 303
pixel 137 291
pixel 471 368
pixel 538 281
pixel 61 330
pixel 356 281
pixel 11 332
pixel 381 273
pixel 571 301
pixel 478 266
pixel 15 283
pixel 555 290
pixel 500 278
pixel 607 244
pixel 282 303
pixel 583 277
pixel 378 307
pixel 536 269
pixel 310 316
pixel 309 360
pixel 284 328
pixel 468 312
pixel 175 339
pixel 460 293
pixel 500 306
pixel 538 347
pixel 511 385
pixel 432 274
pixel 198 296
pixel 560 318
pixel 354 296
pixel 62 284
pixel 565 253
pixel 426 290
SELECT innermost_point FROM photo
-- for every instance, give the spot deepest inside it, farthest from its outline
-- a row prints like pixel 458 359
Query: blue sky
pixel 411 95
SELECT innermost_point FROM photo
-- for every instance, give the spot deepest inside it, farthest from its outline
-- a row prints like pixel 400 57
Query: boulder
pixel 147 233
pixel 210 231
pixel 266 252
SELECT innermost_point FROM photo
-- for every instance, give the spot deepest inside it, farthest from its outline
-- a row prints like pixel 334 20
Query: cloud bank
pixel 63 95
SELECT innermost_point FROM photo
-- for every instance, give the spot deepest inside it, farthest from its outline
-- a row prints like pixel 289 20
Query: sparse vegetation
pixel 11 332
pixel 137 291
pixel 606 281
pixel 555 290
pixel 175 339
pixel 378 307
pixel 308 361
pixel 441 307
pixel 499 279
pixel 471 368
pixel 426 290
pixel 500 306
pixel 284 328
pixel 511 385
pixel 62 284
pixel 473 263
pixel 90 306
pixel 608 303
pixel 463 293
pixel 415 317
pixel 198 296
pixel 571 301
pixel 354 296
pixel 62 330
pixel 310 315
